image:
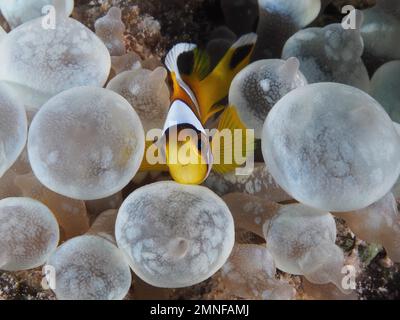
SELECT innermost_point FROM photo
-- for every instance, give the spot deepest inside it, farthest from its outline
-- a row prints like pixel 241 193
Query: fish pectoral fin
pixel 233 142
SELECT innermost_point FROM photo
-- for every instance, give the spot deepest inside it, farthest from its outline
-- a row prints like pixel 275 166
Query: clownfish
pixel 197 98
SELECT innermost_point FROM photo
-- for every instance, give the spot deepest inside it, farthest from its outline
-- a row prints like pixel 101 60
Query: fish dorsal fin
pixel 230 121
pixel 242 49
pixel 171 62
pixel 214 87
pixel 201 65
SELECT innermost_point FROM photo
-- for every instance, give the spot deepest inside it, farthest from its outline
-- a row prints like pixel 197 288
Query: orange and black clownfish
pixel 196 99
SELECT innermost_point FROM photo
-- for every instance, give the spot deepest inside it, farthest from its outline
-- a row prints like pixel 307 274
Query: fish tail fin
pixel 232 143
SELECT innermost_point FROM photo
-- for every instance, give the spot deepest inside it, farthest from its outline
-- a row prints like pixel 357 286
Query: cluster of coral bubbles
pixel 69 146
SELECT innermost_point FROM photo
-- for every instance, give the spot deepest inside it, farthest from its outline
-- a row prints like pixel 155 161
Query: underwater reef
pixel 98 198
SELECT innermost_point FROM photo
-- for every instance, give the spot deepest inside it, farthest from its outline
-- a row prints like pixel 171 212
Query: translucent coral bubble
pixel 147 92
pixel 110 29
pixel 71 214
pixel 28 234
pixel 90 268
pixel 18 12
pixel 302 12
pixel 2 33
pixel 256 89
pixel 329 291
pixel 278 20
pixel 175 235
pixel 51 60
pixel 96 207
pixel 8 187
pixel 330 54
pixel 385 88
pixel 250 274
pixel 104 225
pixel 259 183
pixel 250 212
pixel 378 223
pixel 302 241
pixel 127 62
pixel 381 28
pixel 86 143
pixel 13 128
pixel 331 147
pixel 30 98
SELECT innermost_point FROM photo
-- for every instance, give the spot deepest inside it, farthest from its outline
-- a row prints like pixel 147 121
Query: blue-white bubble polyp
pixel 175 235
pixel 13 128
pixel 29 233
pixel 86 143
pixel 90 267
pixel 332 147
pixel 55 58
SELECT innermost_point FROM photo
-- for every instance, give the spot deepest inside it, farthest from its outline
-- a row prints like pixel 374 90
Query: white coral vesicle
pixel 177 237
pixel 18 12
pixel 51 60
pixel 13 128
pixel 90 268
pixel 28 234
pixel 86 143
pixel 334 154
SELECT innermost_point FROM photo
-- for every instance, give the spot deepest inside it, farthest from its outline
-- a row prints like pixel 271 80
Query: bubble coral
pixel 13 128
pixel 2 33
pixel 378 223
pixel 86 143
pixel 127 62
pixel 302 241
pixel 337 154
pixel 51 60
pixel 104 225
pixel 250 212
pixel 31 99
pixel 278 20
pixel 250 274
pixel 110 29
pixel 90 267
pixel 256 89
pixel 385 88
pixel 28 234
pixel 175 238
pixel 259 183
pixel 96 207
pixel 71 214
pixel 330 54
pixel 381 28
pixel 18 12
pixel 7 185
pixel 147 92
